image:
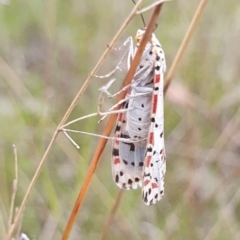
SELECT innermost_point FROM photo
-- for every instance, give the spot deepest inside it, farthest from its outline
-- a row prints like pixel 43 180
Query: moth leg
pixel 111 110
pixel 129 53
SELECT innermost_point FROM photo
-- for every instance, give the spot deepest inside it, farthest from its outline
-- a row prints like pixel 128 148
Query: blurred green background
pixel 48 48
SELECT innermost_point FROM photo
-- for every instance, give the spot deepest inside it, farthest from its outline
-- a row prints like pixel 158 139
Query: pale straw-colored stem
pixel 109 126
pixel 64 119
pixel 184 43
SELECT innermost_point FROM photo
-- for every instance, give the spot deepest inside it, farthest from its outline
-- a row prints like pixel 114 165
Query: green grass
pixel 47 50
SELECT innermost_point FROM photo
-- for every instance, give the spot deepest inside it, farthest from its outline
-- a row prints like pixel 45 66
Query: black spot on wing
pixel 132 146
pixel 146 174
pixel 125 162
pixel 137 179
pixel 149 149
pixel 149 191
pixel 145 197
pixel 117 129
pixel 115 152
pixel 124 136
pixel 130 181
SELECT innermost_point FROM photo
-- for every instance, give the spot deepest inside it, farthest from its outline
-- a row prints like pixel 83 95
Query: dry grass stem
pixel 65 117
pixel 33 181
pixel 112 214
pixel 184 43
pixel 110 46
pixel 219 144
pixel 43 62
pixel 14 191
pixel 140 11
pixel 111 122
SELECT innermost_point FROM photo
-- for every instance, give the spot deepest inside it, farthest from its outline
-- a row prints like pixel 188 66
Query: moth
pixel 140 161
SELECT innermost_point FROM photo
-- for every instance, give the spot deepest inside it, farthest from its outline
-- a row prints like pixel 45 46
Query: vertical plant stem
pixel 109 125
pixel 14 191
pixel 112 214
pixel 65 117
pixel 169 77
pixel 184 43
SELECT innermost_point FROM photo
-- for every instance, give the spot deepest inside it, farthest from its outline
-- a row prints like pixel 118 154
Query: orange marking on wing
pixel 157 78
pixel 154 185
pixel 150 138
pixel 148 161
pixel 146 182
pixel 154 103
pixel 117 135
pixel 116 161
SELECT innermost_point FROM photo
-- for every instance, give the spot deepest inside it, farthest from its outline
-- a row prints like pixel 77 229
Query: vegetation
pixel 47 50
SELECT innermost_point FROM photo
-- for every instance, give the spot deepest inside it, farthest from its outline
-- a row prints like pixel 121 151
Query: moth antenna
pixel 144 24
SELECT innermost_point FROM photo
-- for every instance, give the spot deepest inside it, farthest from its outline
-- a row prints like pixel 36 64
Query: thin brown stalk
pixel 110 46
pixel 65 117
pixel 109 125
pixel 14 191
pixel 34 179
pixel 112 214
pixel 222 140
pixel 184 43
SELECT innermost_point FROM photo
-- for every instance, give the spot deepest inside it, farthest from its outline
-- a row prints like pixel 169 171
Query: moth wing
pixel 153 175
pixel 127 157
pixel 155 161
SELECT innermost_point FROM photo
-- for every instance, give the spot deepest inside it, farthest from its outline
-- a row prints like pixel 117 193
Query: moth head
pixel 140 33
